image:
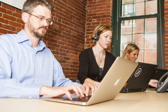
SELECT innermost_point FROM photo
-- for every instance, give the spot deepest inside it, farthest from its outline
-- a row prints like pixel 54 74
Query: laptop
pixel 138 82
pixel 109 87
pixel 159 73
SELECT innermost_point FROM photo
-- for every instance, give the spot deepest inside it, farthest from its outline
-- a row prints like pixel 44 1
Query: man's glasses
pixel 41 18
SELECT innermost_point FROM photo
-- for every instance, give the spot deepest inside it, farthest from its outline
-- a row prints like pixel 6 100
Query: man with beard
pixel 28 69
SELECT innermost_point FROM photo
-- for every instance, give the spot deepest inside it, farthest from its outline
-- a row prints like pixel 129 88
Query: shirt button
pixel 30 97
pixel 36 79
pixel 36 65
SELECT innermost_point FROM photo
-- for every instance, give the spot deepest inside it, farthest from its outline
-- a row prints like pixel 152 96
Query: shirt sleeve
pixel 83 66
pixel 59 77
pixel 9 86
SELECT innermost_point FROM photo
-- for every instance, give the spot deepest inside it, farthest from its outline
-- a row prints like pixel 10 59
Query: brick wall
pixel 166 32
pixel 10 19
pixel 98 12
pixel 65 37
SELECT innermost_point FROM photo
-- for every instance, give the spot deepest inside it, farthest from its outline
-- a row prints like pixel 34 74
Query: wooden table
pixel 149 101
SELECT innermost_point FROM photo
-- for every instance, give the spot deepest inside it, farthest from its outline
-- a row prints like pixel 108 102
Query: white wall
pixel 16 3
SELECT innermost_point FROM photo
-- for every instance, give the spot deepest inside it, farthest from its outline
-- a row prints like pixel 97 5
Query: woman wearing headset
pixel 131 52
pixel 94 62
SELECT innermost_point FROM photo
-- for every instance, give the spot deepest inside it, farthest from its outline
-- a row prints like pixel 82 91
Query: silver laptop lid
pixel 111 84
pixel 113 81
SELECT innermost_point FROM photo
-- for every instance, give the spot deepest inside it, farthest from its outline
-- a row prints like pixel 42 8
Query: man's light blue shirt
pixel 24 70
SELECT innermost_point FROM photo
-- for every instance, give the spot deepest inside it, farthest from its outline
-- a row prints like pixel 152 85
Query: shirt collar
pixel 22 37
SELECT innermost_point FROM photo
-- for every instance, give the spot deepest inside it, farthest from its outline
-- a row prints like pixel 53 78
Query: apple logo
pixel 117 81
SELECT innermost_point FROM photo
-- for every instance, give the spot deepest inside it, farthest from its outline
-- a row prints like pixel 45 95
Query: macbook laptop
pixel 109 87
pixel 140 78
pixel 159 73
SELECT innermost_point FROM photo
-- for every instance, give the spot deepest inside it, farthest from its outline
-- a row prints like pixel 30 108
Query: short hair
pixel 129 48
pixel 101 29
pixel 29 5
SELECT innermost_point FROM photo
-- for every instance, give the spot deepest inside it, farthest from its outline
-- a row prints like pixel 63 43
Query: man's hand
pixel 60 91
pixel 89 86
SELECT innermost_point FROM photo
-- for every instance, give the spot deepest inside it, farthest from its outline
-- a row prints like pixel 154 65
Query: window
pixel 128 10
pixel 139 22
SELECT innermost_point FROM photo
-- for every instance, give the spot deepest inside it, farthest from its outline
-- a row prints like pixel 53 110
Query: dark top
pixel 100 71
pixel 88 67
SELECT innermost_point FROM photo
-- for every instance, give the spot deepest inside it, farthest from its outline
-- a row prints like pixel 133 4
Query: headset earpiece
pixel 96 35
pixel 96 38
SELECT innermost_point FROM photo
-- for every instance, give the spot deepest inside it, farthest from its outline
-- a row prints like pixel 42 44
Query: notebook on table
pixel 109 87
pixel 140 78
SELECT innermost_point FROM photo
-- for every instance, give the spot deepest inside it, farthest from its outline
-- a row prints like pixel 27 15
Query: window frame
pixel 116 26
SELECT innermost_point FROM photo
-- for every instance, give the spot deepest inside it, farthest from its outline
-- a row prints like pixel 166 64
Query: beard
pixel 36 31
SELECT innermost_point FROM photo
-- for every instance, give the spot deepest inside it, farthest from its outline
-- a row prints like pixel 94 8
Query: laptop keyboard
pixel 84 99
